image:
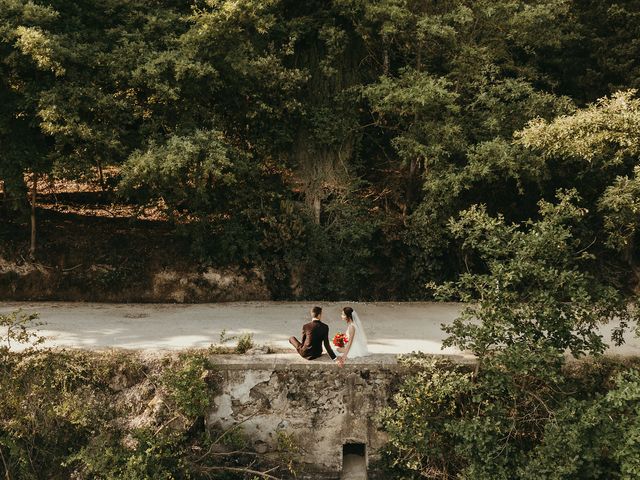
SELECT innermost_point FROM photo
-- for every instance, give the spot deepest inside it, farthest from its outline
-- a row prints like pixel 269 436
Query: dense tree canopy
pixel 330 143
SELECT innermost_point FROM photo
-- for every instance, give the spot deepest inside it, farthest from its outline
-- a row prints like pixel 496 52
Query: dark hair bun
pixel 348 311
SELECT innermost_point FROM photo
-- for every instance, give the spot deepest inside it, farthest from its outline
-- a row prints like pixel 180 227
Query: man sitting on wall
pixel 314 334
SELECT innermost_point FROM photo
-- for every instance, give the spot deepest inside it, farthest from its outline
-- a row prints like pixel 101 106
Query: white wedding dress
pixel 359 347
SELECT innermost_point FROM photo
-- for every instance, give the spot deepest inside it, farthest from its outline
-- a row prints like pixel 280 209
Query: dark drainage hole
pixel 354 462
pixel 359 449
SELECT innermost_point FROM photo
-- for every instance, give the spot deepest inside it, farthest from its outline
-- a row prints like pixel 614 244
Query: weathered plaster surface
pixel 320 406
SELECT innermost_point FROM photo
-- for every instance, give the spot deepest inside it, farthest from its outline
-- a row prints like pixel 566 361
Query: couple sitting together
pixel 352 344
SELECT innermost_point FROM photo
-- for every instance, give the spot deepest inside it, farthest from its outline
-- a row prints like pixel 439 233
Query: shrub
pixel 245 343
pixel 187 384
pixel 523 415
pixel 21 328
pixel 61 416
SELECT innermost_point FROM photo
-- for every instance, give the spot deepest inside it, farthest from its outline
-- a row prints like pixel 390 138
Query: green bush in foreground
pixel 110 415
pixel 523 416
pixel 524 413
pixel 186 385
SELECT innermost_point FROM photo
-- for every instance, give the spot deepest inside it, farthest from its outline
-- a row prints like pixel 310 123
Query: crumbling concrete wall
pixel 318 405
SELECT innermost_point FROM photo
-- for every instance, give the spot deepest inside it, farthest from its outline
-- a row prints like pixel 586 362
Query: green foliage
pixel 187 167
pixel 598 147
pixel 21 328
pixel 534 290
pixel 592 438
pixel 537 286
pixel 522 416
pixel 340 259
pixel 54 403
pixel 288 451
pixel 605 133
pixel 245 343
pixel 423 108
pixel 327 145
pixel 621 205
pixel 148 456
pixel 424 404
pixel 186 384
pixel 76 414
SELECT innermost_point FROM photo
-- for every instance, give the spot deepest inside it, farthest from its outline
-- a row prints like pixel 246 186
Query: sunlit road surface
pixel 391 327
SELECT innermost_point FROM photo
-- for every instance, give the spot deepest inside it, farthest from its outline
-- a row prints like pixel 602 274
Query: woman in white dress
pixel 357 344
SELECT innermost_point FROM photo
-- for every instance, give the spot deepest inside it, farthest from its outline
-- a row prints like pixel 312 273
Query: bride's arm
pixel 351 334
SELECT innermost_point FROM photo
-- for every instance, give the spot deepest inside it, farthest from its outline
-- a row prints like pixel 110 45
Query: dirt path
pixel 391 327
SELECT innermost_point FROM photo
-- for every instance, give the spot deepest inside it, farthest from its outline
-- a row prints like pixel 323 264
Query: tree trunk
pixel 629 255
pixel 415 165
pixel 100 175
pixel 5 199
pixel 413 168
pixel 34 193
pixel 385 66
pixel 412 182
pixel 317 208
pixel 4 462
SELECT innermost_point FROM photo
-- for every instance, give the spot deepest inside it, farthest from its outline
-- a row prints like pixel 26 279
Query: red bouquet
pixel 340 340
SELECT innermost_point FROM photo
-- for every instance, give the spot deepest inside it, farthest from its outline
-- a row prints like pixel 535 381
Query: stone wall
pixel 318 405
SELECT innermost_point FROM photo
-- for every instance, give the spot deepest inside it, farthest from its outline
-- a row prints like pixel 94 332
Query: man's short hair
pixel 316 311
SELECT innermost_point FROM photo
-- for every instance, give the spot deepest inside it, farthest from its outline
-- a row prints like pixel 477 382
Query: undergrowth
pixel 75 414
